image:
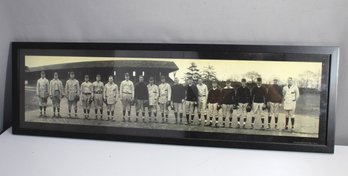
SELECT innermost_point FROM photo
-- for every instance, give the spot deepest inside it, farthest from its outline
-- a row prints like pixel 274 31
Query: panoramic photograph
pixel 276 98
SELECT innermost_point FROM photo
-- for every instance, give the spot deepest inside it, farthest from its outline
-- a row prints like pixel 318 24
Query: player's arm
pixel 169 92
pixel 121 89
pixel 297 91
pixel 132 87
pixel 116 93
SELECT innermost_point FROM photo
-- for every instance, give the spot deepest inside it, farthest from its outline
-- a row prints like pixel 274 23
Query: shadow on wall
pixel 8 93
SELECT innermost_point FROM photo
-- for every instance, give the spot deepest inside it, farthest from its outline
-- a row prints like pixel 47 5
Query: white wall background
pixel 291 22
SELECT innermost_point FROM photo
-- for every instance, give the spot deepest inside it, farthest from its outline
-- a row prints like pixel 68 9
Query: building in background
pixel 105 68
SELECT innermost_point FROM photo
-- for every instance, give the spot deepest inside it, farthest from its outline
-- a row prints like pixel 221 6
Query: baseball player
pixel 243 100
pixel 153 98
pixel 141 97
pixel 214 96
pixel 98 90
pixel 72 91
pixel 191 98
pixel 291 94
pixel 110 97
pixel 56 93
pixel 202 100
pixel 178 98
pixel 275 98
pixel 228 97
pixel 127 96
pixel 42 91
pixel 165 93
pixel 86 96
pixel 258 96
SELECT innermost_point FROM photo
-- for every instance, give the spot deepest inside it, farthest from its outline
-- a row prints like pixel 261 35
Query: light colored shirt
pixel 111 93
pixel 86 87
pixel 42 87
pixel 291 93
pixel 127 87
pixel 165 90
pixel 202 90
pixel 98 87
pixel 72 86
pixel 56 85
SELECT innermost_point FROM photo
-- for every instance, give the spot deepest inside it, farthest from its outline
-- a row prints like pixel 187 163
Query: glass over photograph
pixel 275 98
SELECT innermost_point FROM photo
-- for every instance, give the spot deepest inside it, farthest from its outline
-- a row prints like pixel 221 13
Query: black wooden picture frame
pixel 314 126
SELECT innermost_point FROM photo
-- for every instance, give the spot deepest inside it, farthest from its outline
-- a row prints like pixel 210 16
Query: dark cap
pixel 259 79
pixel 228 81
pixel 244 80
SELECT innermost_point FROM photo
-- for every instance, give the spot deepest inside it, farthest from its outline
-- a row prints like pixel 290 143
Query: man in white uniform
pixel 291 94
pixel 86 96
pixel 202 100
pixel 127 96
pixel 56 93
pixel 165 93
pixel 110 96
pixel 72 91
pixel 98 90
pixel 153 98
pixel 42 91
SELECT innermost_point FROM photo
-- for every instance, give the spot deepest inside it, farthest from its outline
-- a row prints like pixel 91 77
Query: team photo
pixel 225 96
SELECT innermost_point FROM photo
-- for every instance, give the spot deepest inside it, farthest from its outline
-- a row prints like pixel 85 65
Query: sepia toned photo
pixel 239 96
pixel 226 96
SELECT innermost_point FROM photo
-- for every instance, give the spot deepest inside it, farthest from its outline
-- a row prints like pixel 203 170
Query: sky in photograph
pixel 225 69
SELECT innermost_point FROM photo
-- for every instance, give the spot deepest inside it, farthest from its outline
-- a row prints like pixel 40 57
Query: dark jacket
pixel 275 94
pixel 141 92
pixel 228 96
pixel 191 93
pixel 259 94
pixel 243 95
pixel 178 93
pixel 214 96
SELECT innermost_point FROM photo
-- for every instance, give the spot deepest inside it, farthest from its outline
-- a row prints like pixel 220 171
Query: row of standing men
pixel 184 99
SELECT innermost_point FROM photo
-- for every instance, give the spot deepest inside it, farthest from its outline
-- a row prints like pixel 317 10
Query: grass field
pixel 307 121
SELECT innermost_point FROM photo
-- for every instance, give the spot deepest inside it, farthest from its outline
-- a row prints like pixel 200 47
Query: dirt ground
pixel 306 123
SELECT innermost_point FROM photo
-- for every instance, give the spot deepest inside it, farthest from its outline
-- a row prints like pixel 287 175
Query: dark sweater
pixel 275 94
pixel 258 94
pixel 214 96
pixel 178 93
pixel 191 93
pixel 228 96
pixel 243 95
pixel 141 92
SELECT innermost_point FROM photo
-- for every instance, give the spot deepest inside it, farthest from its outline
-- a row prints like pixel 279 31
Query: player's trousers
pixel 98 101
pixel 190 107
pixel 274 109
pixel 242 112
pixel 227 110
pixel 140 105
pixel 86 100
pixel 56 97
pixel 43 101
pixel 212 108
pixel 257 109
pixel 110 107
pixel 202 105
pixel 72 103
pixel 126 101
pixel 178 107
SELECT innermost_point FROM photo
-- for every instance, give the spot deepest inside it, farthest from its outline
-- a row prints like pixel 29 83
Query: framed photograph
pixel 238 96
